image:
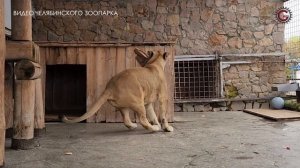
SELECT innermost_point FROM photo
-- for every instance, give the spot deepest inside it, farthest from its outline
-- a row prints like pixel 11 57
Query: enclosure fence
pixel 292 30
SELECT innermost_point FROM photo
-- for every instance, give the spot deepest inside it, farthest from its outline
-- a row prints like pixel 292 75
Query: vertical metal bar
pixel 221 81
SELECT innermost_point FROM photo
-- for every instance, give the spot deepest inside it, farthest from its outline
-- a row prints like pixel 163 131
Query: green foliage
pixel 292 105
pixel 292 46
pixel 231 91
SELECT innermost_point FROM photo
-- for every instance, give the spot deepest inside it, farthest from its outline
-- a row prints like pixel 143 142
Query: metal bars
pixel 292 30
pixel 197 78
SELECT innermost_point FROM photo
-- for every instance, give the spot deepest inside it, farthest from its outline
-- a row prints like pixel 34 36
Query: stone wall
pixel 198 26
pixel 254 78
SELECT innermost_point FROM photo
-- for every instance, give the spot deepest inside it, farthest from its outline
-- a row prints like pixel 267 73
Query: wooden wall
pixel 102 64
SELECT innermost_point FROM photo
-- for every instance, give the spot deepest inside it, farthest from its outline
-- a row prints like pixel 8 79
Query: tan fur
pixel 136 89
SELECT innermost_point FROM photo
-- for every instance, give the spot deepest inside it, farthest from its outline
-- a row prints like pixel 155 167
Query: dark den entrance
pixel 65 91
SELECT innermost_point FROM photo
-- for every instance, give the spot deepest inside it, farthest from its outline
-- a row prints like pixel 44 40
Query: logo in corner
pixel 283 15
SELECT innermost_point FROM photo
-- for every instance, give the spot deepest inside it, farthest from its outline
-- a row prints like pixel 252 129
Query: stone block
pixel 259 35
pixel 256 105
pixel 217 39
pixel 186 107
pixel 254 11
pixel 248 105
pixel 216 109
pixel 235 42
pixel 209 3
pixel 237 106
pixel 230 16
pixel 269 29
pixel 199 108
pixel 223 108
pixel 220 3
pixel 173 20
pixel 278 37
pixel 177 108
pixel 207 108
pixel 52 36
pixel 265 105
pixel 206 14
pixel 146 24
pixel 256 89
pixel 249 43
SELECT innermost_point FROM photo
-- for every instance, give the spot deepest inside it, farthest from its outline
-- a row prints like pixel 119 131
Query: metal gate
pixel 197 77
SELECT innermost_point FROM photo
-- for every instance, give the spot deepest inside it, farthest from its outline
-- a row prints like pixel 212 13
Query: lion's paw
pixel 132 126
pixel 156 127
pixel 169 129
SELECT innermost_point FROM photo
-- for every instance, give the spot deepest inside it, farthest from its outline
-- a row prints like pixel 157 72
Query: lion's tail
pixel 96 106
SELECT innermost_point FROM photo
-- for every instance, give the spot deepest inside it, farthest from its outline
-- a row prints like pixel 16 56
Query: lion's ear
pixel 150 54
pixel 165 55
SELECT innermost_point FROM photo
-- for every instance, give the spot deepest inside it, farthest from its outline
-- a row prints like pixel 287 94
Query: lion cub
pixel 137 89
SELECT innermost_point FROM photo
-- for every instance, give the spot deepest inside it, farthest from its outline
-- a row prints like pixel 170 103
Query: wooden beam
pixel 100 44
pixel 2 56
pixel 21 25
pixel 16 50
pixel 23 126
pixel 27 70
pixel 8 97
pixel 39 114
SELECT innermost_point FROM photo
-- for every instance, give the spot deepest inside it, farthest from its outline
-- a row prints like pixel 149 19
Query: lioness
pixel 137 89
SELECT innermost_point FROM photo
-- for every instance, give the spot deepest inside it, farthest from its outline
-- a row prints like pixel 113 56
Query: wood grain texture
pixel 71 55
pixel 110 71
pixel 100 80
pixel 24 109
pixel 8 96
pixel 274 114
pixel 81 56
pixel 21 25
pixel 62 56
pixel 19 50
pixel 39 114
pixel 2 57
pixel 102 64
pixel 91 83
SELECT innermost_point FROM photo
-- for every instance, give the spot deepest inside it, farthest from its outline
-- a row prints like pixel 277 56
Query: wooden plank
pixel 71 55
pixel 21 25
pixel 81 56
pixel 23 126
pixel 100 80
pixel 51 56
pixel 19 50
pixel 110 71
pixel 2 58
pixel 130 63
pixel 62 55
pixel 274 114
pixel 120 66
pixel 39 115
pixel 27 70
pixel 100 43
pixel 91 83
pixel 43 65
pixel 8 92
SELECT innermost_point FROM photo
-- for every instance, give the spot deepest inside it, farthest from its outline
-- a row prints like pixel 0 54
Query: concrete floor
pixel 206 140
